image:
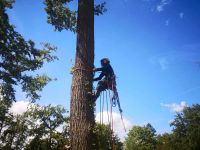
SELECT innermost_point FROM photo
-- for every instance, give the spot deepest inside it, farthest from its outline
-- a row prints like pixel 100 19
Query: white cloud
pixel 188 53
pixel 175 107
pixel 181 15
pixel 117 123
pixel 159 8
pixel 162 4
pixel 164 63
pixel 19 107
pixel 167 22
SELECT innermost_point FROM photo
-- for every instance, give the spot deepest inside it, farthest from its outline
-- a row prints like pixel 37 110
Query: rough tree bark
pixel 81 106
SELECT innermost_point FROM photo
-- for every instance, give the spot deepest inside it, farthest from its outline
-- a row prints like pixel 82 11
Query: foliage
pixel 14 132
pixel 186 128
pixel 141 138
pixel 165 141
pixel 100 9
pixel 35 129
pixel 104 138
pixel 13 129
pixel 186 131
pixel 18 58
pixel 45 122
pixel 61 17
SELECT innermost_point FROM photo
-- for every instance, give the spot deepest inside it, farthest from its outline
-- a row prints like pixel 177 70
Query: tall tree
pixel 18 58
pixel 81 107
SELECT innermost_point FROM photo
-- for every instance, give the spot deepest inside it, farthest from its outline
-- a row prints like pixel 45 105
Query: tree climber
pixel 108 82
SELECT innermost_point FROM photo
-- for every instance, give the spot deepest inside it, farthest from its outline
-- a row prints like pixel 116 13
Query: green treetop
pixel 18 58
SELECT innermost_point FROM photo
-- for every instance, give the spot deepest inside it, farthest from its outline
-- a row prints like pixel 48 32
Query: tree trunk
pixel 81 106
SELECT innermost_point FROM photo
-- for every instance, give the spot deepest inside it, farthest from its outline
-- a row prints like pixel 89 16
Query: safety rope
pixel 100 129
pixel 120 111
pixel 111 115
pixel 111 118
pixel 102 107
pixel 107 107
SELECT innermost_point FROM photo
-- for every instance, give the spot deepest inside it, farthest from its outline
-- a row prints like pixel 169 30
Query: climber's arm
pixel 99 78
pixel 98 69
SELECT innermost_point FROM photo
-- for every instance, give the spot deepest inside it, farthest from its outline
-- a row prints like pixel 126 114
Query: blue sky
pixel 153 45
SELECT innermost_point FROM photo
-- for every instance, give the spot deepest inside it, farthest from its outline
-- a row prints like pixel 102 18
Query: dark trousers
pixel 104 85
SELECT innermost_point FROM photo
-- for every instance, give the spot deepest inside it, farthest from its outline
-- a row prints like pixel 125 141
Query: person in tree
pixel 106 78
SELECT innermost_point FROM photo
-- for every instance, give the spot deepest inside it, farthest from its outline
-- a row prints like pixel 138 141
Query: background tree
pixel 18 58
pixel 165 142
pixel 13 131
pixel 44 123
pixel 82 106
pixel 186 128
pixel 104 138
pixel 141 138
pixel 39 128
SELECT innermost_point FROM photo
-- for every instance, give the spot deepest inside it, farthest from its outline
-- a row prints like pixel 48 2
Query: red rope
pixel 113 139
pixel 111 120
pixel 107 107
pixel 102 107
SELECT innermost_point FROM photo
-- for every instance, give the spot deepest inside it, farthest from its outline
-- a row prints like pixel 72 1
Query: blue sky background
pixel 153 45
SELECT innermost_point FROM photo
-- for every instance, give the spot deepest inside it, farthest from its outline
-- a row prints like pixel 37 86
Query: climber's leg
pixel 101 86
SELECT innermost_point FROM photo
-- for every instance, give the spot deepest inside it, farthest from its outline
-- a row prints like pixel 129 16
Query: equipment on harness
pixel 115 101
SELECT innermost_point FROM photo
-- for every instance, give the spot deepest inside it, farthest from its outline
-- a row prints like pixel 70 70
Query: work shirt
pixel 106 71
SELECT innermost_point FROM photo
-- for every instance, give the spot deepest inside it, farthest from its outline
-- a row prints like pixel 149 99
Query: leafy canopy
pixel 141 138
pixel 61 17
pixel 18 58
pixel 104 138
pixel 39 128
pixel 186 128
